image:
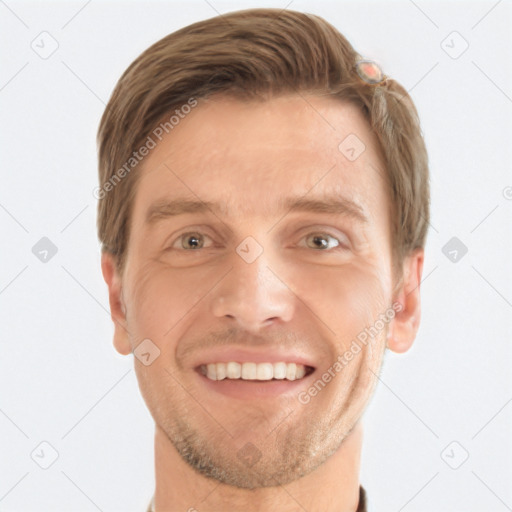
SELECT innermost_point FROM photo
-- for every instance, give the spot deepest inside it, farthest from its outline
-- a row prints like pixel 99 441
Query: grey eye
pixel 192 241
pixel 321 241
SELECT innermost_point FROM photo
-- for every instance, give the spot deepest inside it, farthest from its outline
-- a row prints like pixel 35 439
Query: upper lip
pixel 243 355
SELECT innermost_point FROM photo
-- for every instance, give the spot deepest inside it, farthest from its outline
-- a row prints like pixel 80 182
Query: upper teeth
pixel 253 371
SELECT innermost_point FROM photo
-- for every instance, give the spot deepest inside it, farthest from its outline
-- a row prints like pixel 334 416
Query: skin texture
pixel 294 296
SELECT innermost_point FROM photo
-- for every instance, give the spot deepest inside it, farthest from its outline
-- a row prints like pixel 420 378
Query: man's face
pixel 254 280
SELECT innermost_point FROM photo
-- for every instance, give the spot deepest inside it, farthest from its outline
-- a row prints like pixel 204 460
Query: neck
pixel 332 487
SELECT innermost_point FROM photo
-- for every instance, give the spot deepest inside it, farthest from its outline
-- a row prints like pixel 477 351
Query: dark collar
pixel 361 507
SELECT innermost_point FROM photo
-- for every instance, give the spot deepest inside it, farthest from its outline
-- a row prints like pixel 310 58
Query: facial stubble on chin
pixel 295 448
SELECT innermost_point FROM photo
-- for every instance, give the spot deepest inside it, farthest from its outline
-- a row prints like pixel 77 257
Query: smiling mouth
pixel 257 372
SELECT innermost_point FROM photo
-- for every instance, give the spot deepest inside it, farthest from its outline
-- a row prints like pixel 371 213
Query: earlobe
pixel 404 326
pixel 117 307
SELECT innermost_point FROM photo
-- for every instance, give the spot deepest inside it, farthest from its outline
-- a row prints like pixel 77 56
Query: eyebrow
pixel 336 205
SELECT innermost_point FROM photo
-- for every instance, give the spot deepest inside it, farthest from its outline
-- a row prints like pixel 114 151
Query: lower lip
pixel 250 389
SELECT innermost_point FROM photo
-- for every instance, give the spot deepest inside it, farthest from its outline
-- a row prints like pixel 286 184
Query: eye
pixel 190 241
pixel 322 241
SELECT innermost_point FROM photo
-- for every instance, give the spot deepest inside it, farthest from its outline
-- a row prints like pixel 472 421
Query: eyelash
pixel 340 247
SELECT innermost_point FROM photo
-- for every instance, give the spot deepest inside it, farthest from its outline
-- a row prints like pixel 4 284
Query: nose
pixel 253 295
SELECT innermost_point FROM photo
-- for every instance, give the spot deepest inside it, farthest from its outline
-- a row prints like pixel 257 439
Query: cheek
pixel 163 297
pixel 346 298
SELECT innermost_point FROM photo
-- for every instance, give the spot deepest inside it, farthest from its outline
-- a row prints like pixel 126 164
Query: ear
pixel 404 326
pixel 117 307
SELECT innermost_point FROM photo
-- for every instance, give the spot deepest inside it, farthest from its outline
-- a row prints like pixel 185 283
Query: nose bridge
pixel 252 294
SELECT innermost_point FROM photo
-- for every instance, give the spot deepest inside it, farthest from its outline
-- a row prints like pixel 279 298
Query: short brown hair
pixel 256 54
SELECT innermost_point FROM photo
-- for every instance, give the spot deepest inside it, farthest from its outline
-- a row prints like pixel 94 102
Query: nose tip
pixel 253 297
pixel 252 326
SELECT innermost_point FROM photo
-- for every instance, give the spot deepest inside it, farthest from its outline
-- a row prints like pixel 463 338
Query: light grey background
pixel 61 380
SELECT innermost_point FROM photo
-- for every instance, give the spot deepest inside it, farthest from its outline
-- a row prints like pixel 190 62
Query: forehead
pixel 248 155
